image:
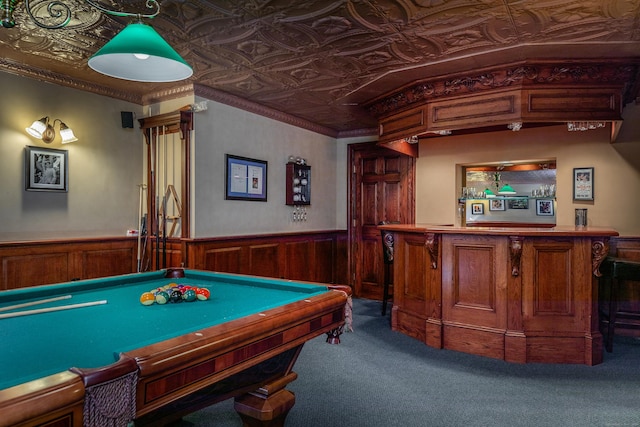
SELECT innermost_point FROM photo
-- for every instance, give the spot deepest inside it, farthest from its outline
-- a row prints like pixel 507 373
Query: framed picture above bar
pixel 477 209
pixel 583 184
pixel 246 179
pixel 497 205
pixel 46 169
pixel 544 207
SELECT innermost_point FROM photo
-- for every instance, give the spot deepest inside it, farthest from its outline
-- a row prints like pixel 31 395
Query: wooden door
pixel 381 189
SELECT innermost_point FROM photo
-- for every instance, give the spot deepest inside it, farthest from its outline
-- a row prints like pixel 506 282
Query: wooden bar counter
pixel 518 294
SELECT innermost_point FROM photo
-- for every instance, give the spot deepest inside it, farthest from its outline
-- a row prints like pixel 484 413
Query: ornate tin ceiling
pixel 321 60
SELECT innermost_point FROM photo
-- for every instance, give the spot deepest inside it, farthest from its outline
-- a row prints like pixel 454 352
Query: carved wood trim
pixel 515 254
pixel 599 251
pixel 615 72
pixel 431 243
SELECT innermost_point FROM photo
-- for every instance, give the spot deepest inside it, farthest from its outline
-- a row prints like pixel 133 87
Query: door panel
pixel 381 189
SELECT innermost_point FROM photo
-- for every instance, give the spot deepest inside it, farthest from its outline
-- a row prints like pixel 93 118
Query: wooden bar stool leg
pixel 613 309
pixel 385 290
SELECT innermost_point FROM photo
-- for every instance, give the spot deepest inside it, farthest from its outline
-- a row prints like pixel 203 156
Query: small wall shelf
pixel 298 188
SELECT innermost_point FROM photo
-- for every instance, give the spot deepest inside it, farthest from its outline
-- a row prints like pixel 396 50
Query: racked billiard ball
pixel 162 297
pixel 189 295
pixel 202 294
pixel 147 298
pixel 176 296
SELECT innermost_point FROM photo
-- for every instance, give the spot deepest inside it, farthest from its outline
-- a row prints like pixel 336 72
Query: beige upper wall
pixel 222 130
pixel 104 164
pixel 616 173
pixel 107 164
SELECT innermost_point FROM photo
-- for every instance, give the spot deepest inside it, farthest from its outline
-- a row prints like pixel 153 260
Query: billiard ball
pixel 189 295
pixel 175 296
pixel 162 297
pixel 147 298
pixel 202 294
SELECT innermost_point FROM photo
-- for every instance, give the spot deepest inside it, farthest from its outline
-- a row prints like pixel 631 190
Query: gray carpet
pixel 377 377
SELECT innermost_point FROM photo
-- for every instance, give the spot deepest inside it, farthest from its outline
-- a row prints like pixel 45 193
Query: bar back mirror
pixel 509 194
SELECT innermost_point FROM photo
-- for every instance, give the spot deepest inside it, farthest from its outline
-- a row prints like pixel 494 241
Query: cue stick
pixel 142 186
pixel 156 182
pixel 164 232
pixel 164 197
pixel 28 304
pixel 50 309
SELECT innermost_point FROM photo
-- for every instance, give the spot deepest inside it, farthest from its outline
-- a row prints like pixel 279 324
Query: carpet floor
pixel 378 377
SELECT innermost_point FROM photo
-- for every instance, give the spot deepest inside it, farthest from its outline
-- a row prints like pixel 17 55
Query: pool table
pixel 122 361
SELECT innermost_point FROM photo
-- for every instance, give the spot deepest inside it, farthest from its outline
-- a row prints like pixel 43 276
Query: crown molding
pixel 22 70
pixel 243 104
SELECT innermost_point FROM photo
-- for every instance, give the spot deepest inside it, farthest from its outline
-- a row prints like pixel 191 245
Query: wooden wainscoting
pixel 314 256
pixel 25 264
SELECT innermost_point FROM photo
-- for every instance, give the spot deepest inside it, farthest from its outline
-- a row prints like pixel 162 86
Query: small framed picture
pixel 497 205
pixel 544 207
pixel 583 184
pixel 519 203
pixel 46 169
pixel 477 209
pixel 246 179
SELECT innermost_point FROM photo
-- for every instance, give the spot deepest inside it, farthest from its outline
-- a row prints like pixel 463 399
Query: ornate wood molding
pixel 614 72
pixel 599 251
pixel 432 246
pixel 515 253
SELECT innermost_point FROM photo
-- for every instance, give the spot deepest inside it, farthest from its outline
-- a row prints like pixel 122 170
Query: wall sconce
pixel 44 130
pixel 137 53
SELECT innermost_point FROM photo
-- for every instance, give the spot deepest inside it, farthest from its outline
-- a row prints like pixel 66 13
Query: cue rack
pixel 168 140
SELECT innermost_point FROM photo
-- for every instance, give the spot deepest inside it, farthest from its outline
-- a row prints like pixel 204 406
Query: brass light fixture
pixel 44 130
pixel 137 53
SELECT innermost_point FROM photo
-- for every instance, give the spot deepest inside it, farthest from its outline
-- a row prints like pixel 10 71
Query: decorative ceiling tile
pixel 323 61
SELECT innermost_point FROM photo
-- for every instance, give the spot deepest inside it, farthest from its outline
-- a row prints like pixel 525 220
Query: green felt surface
pixel 43 344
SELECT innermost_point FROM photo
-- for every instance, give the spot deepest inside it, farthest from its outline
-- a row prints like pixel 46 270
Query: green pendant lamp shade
pixel 507 189
pixel 140 54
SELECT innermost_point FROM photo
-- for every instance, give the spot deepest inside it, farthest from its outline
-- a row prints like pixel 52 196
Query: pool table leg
pixel 268 406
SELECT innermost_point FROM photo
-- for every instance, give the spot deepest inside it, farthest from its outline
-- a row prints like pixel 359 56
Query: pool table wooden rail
pixel 23 405
pixel 250 358
pixel 172 369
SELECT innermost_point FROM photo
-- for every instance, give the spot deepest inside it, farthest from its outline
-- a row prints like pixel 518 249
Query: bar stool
pixel 387 253
pixel 615 271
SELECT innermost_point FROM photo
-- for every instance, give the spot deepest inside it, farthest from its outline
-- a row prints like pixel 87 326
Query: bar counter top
pixel 502 231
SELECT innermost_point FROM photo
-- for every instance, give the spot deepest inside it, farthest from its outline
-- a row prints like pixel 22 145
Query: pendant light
pixel 488 193
pixel 507 189
pixel 140 54
pixel 136 53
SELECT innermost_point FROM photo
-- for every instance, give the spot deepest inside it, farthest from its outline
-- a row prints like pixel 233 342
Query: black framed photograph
pixel 46 169
pixel 246 179
pixel 518 203
pixel 497 205
pixel 583 184
pixel 477 209
pixel 544 207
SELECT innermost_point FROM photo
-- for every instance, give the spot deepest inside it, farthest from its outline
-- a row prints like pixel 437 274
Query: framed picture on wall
pixel 544 207
pixel 477 209
pixel 497 205
pixel 246 179
pixel 583 184
pixel 46 169
pixel 519 203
